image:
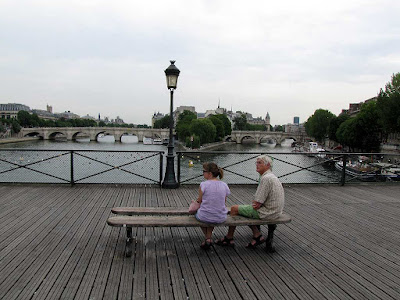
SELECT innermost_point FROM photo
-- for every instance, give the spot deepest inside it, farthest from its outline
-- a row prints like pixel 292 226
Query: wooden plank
pixel 187 221
pixel 342 245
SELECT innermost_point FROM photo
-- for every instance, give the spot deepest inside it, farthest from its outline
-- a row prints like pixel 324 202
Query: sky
pixel 287 58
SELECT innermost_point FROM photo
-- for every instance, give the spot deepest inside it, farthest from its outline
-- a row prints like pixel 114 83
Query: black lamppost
pixel 172 73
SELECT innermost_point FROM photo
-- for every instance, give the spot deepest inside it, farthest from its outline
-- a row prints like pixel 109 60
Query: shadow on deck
pixel 343 243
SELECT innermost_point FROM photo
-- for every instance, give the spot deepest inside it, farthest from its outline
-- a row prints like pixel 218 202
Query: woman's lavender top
pixel 212 208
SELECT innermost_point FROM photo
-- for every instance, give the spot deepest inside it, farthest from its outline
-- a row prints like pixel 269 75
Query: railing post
pixel 72 167
pixel 161 167
pixel 343 179
pixel 179 167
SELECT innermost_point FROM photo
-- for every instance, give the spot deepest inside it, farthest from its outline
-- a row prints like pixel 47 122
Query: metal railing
pixel 80 166
pixel 293 167
pixel 147 167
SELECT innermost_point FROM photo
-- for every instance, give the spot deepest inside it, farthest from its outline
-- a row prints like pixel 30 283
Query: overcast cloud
pixel 287 58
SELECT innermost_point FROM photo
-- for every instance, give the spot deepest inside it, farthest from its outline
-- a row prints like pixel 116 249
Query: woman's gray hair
pixel 266 159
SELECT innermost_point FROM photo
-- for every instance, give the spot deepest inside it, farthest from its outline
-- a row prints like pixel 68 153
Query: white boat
pixel 157 142
pixel 315 150
pixel 147 141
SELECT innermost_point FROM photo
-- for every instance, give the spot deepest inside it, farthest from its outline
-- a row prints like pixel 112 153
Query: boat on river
pixel 388 171
pixel 360 170
pixel 147 141
pixel 157 142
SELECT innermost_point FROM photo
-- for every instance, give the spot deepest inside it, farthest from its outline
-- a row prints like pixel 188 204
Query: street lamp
pixel 172 73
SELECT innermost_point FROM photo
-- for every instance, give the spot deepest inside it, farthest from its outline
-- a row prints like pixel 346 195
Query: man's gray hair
pixel 266 159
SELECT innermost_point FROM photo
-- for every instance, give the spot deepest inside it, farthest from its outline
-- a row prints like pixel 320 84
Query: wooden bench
pixel 129 217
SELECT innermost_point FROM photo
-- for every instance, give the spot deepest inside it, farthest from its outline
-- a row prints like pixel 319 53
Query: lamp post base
pixel 169 178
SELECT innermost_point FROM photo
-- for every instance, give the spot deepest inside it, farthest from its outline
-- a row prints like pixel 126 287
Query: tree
pixel 363 132
pixel 278 128
pixel 389 105
pixel 227 124
pixel 317 125
pixel 219 126
pixel 204 129
pixel 162 123
pixel 182 127
pixel 24 118
pixel 240 122
pixel 334 126
pixel 15 127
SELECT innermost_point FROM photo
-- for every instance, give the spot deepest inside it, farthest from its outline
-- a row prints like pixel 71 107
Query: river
pixel 239 167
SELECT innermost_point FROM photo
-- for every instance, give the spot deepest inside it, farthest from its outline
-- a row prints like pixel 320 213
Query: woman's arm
pixel 200 198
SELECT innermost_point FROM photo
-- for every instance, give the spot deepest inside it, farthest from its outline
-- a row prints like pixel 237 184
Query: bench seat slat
pixel 129 211
pixel 187 221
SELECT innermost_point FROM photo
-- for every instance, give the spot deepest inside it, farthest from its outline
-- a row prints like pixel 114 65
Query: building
pixel 118 120
pixel 354 108
pixel 156 117
pixel 87 117
pixel 296 120
pixel 10 110
pixel 44 114
pixel 67 115
pixel 259 120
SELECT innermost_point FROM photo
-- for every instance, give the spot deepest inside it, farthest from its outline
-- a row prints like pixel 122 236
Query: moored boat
pixel 157 142
pixel 360 170
pixel 147 141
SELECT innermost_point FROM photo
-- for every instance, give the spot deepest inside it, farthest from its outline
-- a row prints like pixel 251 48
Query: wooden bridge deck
pixel 343 243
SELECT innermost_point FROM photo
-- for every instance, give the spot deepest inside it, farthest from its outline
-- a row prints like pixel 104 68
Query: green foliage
pixel 334 126
pixel 15 127
pixel 162 123
pixel 205 129
pixel 389 105
pixel 219 126
pixel 363 132
pixel 195 144
pixel 182 127
pixel 227 124
pixel 279 128
pixel 24 118
pixel 317 125
pixel 240 122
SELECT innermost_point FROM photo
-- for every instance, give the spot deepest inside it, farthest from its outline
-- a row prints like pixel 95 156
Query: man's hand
pixel 256 205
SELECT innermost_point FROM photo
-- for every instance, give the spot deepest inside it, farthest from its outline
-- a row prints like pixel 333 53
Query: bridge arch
pixel 35 134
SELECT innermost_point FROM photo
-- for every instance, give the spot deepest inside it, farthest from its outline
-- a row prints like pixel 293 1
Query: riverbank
pixel 18 140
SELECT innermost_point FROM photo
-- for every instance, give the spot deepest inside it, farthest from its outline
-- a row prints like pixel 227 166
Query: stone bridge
pixel 261 136
pixel 71 133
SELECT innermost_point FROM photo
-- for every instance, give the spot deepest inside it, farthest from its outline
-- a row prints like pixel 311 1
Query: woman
pixel 212 198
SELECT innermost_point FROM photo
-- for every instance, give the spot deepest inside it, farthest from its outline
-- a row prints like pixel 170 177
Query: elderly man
pixel 267 204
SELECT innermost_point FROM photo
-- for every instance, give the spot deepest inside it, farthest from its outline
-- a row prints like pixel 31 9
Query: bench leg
pixel 128 247
pixel 270 239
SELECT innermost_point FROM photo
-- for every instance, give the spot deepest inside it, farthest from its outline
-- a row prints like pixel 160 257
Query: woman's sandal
pixel 225 242
pixel 206 244
pixel 258 241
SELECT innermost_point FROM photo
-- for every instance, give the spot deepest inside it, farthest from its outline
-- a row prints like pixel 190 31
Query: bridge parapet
pixel 258 136
pixel 71 133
